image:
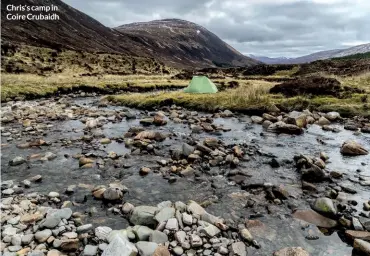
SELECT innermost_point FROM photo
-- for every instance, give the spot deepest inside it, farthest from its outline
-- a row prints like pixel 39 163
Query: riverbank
pixel 262 173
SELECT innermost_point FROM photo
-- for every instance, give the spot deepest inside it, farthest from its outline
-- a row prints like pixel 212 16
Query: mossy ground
pixel 252 95
pixel 69 71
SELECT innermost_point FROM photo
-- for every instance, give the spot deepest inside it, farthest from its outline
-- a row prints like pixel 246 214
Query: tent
pixel 201 84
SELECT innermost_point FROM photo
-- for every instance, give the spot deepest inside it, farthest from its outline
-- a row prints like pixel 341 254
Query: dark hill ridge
pixel 174 42
pixel 175 39
pixel 74 30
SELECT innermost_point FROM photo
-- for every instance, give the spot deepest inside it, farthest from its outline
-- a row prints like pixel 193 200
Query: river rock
pixel 84 228
pixel 187 219
pixel 281 127
pixel 323 121
pixel 164 214
pixel 187 150
pixel 42 236
pixel 238 249
pixel 146 248
pixel 355 234
pixel 113 194
pixel 17 161
pixel 313 173
pixel 257 119
pixel 142 232
pixel 120 246
pixel 315 218
pixel 353 148
pixel 246 235
pixel 362 246
pixel 151 135
pixel 210 230
pixel 158 237
pixel 172 224
pixel 291 251
pixel 144 215
pixel 325 205
pixel 90 250
pixel 161 251
pixel 102 233
pixel 332 116
pixel 50 222
pixel 195 208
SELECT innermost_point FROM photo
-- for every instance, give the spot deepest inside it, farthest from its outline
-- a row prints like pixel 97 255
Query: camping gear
pixel 201 84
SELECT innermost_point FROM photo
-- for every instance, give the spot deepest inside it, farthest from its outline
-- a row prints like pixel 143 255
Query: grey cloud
pixel 272 28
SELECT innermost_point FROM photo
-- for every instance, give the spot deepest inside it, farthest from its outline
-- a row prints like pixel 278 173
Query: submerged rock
pixel 315 218
pixel 325 205
pixel 352 148
pixel 291 251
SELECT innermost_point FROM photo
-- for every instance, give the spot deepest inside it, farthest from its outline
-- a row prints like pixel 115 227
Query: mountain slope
pixel 75 30
pixel 322 55
pixel 174 40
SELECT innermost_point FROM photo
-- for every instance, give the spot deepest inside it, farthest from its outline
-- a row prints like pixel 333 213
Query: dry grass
pixel 250 94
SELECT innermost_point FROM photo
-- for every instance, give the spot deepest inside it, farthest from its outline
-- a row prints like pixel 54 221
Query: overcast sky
pixel 271 28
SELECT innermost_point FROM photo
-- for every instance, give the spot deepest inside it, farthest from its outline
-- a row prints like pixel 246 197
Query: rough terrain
pixel 172 181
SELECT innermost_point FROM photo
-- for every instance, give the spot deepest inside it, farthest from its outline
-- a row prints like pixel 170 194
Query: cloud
pixel 261 27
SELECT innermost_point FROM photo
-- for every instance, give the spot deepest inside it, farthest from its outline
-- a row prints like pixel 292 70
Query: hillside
pixel 174 42
pixel 322 55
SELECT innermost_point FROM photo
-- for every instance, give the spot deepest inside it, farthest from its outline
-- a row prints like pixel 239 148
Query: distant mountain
pixel 177 43
pixel 175 40
pixel 322 55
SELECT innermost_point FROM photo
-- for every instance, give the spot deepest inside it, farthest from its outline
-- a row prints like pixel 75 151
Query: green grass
pixel 249 95
pixel 30 85
pixel 253 95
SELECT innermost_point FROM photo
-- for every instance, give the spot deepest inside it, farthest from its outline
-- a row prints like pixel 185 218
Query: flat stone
pixel 178 250
pixel 315 218
pixel 180 236
pixel 70 245
pixel 146 248
pixel 70 235
pixel 195 241
pixel 195 208
pixel 64 213
pixel 172 224
pixel 210 230
pixel 90 250
pixel 144 215
pixel 27 239
pixel 142 232
pixel 84 228
pixel 165 214
pixel 102 233
pixel 120 246
pixel 161 251
pixel 238 249
pixel 354 234
pixel 50 222
pixel 187 219
pixel 42 236
pixel 158 237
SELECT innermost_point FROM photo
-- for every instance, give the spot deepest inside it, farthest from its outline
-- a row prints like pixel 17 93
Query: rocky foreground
pixel 45 224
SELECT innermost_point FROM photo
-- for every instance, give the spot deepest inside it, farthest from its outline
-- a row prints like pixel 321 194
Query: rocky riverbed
pixel 82 177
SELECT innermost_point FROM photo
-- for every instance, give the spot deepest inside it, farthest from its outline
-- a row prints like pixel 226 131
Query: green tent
pixel 201 84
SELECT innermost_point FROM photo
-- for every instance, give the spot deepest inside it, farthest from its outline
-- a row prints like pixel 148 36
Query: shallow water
pixel 280 231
